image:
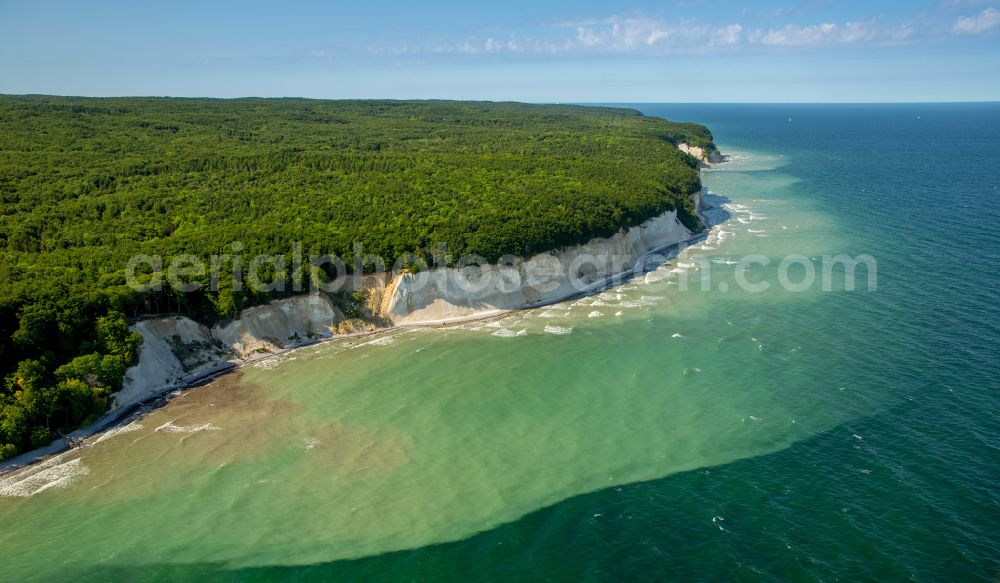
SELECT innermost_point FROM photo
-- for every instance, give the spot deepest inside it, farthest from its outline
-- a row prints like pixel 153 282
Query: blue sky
pixel 579 51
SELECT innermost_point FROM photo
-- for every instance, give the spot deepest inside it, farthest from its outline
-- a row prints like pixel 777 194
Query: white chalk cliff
pixel 448 295
pixel 177 350
pixel 713 157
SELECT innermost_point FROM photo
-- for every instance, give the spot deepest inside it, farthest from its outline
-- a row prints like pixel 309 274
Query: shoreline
pixel 162 396
pixel 156 399
pixel 609 282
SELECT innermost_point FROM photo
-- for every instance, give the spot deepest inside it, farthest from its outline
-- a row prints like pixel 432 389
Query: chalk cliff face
pixel 278 325
pixel 448 295
pixel 713 157
pixel 177 350
pixel 162 362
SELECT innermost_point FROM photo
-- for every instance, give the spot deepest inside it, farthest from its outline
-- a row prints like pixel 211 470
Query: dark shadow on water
pixel 833 507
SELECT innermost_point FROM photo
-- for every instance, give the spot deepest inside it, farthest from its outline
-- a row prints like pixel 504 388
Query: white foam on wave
pixel 380 341
pixel 607 300
pixel 49 474
pixel 595 314
pixel 677 335
pixel 170 427
pixel 654 277
pixel 507 333
pixel 558 330
pixel 133 426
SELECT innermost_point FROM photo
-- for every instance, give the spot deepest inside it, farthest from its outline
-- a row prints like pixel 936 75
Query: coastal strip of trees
pixel 88 183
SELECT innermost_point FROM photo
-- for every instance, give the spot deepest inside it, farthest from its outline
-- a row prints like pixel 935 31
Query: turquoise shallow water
pixel 645 433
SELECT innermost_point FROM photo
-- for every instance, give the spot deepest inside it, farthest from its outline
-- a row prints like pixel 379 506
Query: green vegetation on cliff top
pixel 86 183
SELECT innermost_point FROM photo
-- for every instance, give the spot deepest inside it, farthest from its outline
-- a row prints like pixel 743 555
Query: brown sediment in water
pixel 230 421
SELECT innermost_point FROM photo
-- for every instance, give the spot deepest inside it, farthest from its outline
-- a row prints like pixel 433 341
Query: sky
pixel 525 50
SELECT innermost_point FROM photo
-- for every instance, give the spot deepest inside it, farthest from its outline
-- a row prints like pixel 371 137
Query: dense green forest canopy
pixel 86 183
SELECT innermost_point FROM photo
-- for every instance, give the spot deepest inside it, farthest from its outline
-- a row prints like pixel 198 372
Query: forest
pixel 87 183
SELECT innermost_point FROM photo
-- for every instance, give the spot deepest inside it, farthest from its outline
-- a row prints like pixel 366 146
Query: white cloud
pixel 986 20
pixel 792 35
pixel 661 36
pixel 656 36
pixel 868 32
pixel 627 34
pixel 649 36
pixel 727 35
pixel 587 37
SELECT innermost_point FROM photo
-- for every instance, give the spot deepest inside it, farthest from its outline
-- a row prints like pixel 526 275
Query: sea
pixel 808 393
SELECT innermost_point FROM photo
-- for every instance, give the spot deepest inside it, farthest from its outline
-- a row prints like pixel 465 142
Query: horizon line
pixel 527 101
